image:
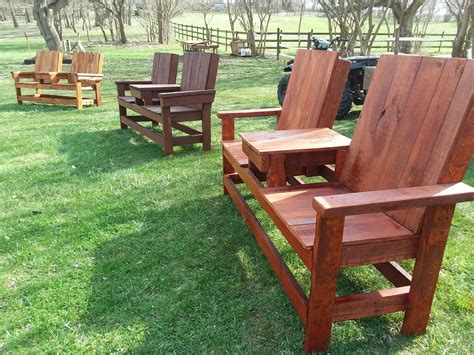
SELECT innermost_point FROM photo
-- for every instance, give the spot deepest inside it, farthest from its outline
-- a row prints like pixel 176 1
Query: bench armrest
pixel 23 75
pixel 132 82
pixel 227 117
pixel 389 200
pixel 187 97
pixel 88 77
pixel 259 112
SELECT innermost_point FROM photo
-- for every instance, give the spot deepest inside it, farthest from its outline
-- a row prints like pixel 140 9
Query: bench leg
pixel 122 113
pixel 18 95
pixel 206 126
pixel 79 104
pixel 324 271
pixel 167 131
pixel 435 230
pixel 98 95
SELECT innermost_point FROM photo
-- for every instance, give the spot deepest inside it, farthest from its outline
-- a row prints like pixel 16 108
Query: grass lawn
pixel 107 246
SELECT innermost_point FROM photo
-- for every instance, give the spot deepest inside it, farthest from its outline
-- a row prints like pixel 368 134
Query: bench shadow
pixel 177 272
pixel 194 284
pixel 35 107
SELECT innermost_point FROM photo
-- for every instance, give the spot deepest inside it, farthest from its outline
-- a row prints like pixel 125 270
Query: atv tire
pixel 346 103
pixel 282 86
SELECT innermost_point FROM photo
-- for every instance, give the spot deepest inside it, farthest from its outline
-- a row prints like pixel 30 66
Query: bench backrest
pixel 199 72
pixel 165 68
pixel 48 61
pixel 86 62
pixel 416 128
pixel 316 85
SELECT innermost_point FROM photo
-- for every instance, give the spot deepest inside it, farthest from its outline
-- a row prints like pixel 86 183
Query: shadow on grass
pixel 198 282
pixel 35 107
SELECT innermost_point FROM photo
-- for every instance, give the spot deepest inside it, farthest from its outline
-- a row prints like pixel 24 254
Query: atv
pixel 356 87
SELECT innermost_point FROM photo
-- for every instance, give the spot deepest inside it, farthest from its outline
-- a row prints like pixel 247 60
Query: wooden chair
pixel 85 74
pixel 392 199
pixel 190 101
pixel 164 71
pixel 312 99
pixel 45 62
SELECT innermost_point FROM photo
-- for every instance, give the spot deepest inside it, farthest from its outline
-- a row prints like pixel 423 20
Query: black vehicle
pixel 354 91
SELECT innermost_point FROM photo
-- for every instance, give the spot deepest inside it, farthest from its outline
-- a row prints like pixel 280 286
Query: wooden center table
pixel 285 153
pixel 145 93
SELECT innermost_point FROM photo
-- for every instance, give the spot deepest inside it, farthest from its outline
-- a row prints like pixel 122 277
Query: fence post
pixel 441 42
pixel 278 43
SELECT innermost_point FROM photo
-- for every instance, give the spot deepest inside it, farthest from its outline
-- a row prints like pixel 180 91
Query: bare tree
pixel 232 14
pixel 115 8
pixel 264 10
pixel 43 12
pixel 461 10
pixel 423 18
pixel 156 17
pixel 12 12
pixel 205 7
pixel 404 12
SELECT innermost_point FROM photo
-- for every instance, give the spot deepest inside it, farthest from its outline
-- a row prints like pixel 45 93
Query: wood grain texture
pixel 314 90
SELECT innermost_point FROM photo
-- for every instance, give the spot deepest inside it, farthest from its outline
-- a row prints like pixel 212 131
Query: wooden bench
pixel 172 105
pixel 85 74
pixel 164 72
pixel 198 46
pixel 391 197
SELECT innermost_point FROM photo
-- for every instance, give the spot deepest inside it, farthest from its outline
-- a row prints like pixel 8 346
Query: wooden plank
pixel 145 131
pixel 295 141
pixel 394 273
pixel 324 272
pixel 290 285
pixel 371 304
pixel 386 200
pixel 165 68
pixel 435 230
pixel 308 90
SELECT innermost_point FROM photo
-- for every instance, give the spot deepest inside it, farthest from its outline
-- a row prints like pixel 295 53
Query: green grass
pixel 107 246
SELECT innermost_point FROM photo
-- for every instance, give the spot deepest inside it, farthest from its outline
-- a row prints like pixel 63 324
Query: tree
pixel 115 8
pixel 12 12
pixel 232 14
pixel 354 20
pixel 404 12
pixel 205 7
pixel 44 12
pixel 461 10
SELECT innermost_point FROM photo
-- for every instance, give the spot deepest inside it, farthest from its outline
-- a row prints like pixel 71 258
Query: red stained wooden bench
pixel 172 105
pixel 391 197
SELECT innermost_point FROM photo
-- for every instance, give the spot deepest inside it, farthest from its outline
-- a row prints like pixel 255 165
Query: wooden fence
pixel 280 41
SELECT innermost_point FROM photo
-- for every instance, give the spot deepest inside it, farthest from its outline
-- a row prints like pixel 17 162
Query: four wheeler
pixel 356 88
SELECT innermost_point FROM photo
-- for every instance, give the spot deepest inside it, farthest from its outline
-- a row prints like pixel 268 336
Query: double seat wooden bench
pixel 391 195
pixel 85 75
pixel 174 105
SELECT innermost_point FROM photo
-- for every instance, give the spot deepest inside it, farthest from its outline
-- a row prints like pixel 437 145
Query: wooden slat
pixel 371 304
pixel 145 131
pixel 288 281
pixel 315 88
pixel 165 68
pixel 394 273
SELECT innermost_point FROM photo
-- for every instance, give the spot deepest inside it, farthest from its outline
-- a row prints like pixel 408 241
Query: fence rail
pixel 281 41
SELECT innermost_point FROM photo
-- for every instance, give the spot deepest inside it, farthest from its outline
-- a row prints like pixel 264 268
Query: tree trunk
pixel 121 28
pixel 459 43
pixel 44 16
pixel 15 21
